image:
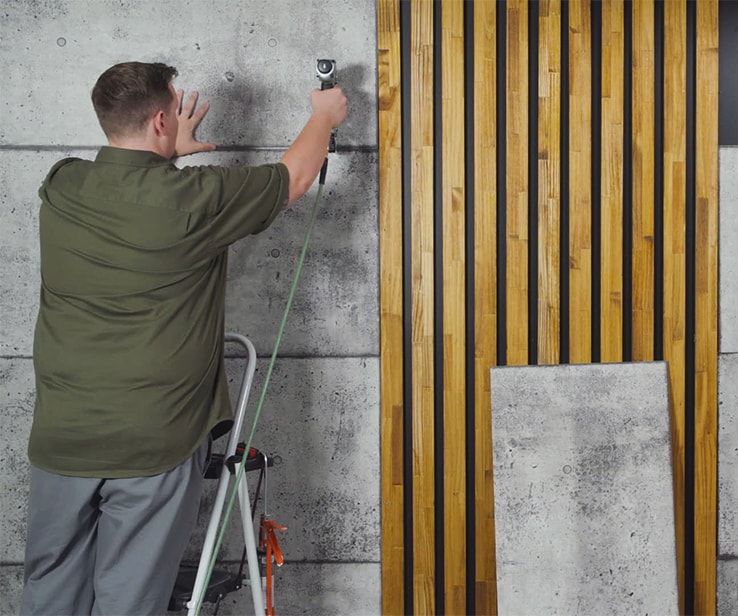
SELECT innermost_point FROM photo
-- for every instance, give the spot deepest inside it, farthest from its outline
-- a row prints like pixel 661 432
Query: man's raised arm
pixel 305 156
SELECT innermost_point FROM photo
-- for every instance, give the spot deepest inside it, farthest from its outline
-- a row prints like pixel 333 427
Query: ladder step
pixel 254 461
pixel 221 583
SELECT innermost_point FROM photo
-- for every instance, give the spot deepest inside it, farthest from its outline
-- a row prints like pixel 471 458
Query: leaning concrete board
pixel 583 490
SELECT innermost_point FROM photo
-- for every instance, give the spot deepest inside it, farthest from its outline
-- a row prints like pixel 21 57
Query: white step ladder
pixel 244 505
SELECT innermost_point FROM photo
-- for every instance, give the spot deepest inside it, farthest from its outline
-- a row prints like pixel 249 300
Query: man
pixel 128 348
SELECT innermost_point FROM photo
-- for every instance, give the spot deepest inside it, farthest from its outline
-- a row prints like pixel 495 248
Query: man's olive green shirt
pixel 128 349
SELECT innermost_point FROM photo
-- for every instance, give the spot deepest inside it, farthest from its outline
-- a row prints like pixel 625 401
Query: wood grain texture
pixel 675 273
pixel 706 308
pixel 549 181
pixel 454 306
pixel 517 183
pixel 485 300
pixel 424 252
pixel 611 223
pixel 391 349
pixel 580 182
pixel 642 110
pixel 422 336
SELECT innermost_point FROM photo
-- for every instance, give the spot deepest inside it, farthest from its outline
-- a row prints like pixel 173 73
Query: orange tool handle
pixel 268 540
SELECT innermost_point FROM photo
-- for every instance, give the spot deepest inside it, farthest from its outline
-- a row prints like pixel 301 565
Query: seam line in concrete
pixel 235 356
pixel 315 562
pixel 298 356
pixel 223 148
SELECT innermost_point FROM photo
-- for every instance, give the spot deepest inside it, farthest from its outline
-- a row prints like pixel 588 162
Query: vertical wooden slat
pixel 706 309
pixel 643 185
pixel 675 273
pixel 421 15
pixel 611 229
pixel 517 182
pixel 454 330
pixel 485 302
pixel 390 255
pixel 549 185
pixel 580 182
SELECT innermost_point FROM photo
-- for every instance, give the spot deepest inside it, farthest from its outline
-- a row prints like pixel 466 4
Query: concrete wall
pixel 254 61
pixel 727 566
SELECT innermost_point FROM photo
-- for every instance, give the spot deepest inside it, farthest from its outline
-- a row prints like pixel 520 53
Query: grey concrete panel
pixel 727 566
pixel 255 62
pixel 727 587
pixel 11 586
pixel 336 306
pixel 335 311
pixel 21 174
pixel 315 590
pixel 728 456
pixel 728 250
pixel 300 588
pixel 16 413
pixel 321 417
pixel 583 490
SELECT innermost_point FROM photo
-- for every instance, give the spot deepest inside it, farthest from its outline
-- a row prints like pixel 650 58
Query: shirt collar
pixel 134 158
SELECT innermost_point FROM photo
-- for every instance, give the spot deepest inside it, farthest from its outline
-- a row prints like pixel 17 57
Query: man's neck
pixel 138 143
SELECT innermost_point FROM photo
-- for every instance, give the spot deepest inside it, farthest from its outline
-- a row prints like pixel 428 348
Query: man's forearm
pixel 305 156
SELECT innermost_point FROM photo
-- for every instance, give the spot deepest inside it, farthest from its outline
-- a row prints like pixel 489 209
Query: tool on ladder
pixel 271 552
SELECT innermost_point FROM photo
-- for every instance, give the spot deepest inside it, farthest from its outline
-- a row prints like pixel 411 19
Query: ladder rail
pixel 220 498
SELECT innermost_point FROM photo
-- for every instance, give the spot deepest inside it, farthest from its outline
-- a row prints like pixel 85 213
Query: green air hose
pixel 264 387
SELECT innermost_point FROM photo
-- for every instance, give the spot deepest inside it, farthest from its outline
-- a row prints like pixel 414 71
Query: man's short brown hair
pixel 126 95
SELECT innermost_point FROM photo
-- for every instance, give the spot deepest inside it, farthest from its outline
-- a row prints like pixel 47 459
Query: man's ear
pixel 158 122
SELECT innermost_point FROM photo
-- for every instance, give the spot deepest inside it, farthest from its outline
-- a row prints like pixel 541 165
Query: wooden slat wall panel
pixel 643 174
pixel 454 330
pixel 390 246
pixel 611 231
pixel 485 300
pixel 549 181
pixel 517 182
pixel 580 182
pixel 675 272
pixel 706 307
pixel 617 163
pixel 421 84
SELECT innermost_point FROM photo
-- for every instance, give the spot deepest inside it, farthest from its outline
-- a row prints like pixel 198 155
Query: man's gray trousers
pixel 108 546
